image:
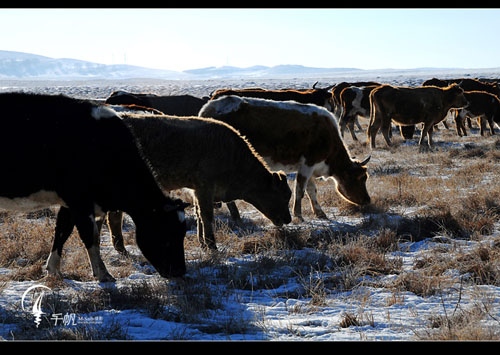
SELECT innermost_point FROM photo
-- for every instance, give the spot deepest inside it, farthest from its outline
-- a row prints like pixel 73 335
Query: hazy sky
pixel 180 39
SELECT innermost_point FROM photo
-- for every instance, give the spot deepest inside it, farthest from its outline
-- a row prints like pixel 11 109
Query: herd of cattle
pixel 233 145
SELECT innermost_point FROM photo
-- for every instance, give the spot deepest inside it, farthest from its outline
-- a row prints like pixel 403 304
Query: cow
pixel 481 104
pixel 408 106
pixel 49 145
pixel 355 102
pixel 178 105
pixel 319 97
pixel 336 102
pixel 295 137
pixel 466 84
pixel 214 160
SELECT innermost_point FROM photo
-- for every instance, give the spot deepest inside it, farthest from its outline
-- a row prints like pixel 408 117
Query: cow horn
pixel 314 85
pixel 364 162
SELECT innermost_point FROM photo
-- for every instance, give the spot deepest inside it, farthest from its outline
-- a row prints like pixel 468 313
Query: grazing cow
pixel 409 106
pixel 49 145
pixel 295 137
pixel 355 102
pixel 179 105
pixel 319 97
pixel 481 104
pixel 211 158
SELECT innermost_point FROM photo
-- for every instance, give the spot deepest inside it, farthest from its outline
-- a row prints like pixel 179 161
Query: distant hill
pixel 26 66
pixel 18 65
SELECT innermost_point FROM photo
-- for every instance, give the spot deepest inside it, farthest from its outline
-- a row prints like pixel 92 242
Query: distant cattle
pixel 211 158
pixel 49 145
pixel 408 106
pixel 481 104
pixel 355 102
pixel 466 84
pixel 299 138
pixel 319 97
pixel 336 101
pixel 178 105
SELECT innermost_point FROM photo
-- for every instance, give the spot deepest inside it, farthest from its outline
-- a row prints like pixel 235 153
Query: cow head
pixel 160 237
pixel 458 99
pixel 325 96
pixel 351 183
pixel 272 199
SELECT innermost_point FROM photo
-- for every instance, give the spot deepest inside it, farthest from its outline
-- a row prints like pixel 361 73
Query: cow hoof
pixel 107 278
pixel 297 219
pixel 321 215
pixel 55 274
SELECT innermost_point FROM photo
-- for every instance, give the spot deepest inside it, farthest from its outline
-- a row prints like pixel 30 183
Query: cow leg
pixel 387 131
pixel 89 234
pixel 350 125
pixel 491 124
pixel 64 228
pixel 356 121
pixel 233 211
pixel 115 223
pixel 459 123
pixel 426 131
pixel 205 218
pixel 311 192
pixel 343 124
pixel 469 123
pixel 303 176
pixel 373 130
pixel 482 125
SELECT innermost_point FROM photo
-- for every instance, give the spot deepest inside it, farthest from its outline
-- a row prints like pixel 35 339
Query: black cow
pixel 177 105
pixel 49 145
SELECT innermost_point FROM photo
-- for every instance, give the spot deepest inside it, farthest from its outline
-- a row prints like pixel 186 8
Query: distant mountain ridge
pixel 19 65
pixel 26 66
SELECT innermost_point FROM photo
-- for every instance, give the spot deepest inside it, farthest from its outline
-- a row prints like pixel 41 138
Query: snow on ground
pixel 268 314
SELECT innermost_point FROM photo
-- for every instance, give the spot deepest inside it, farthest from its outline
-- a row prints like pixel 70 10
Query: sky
pixel 181 39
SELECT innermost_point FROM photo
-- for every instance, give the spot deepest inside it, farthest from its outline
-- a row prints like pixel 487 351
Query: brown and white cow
pixel 481 104
pixel 299 138
pixel 319 97
pixel 336 101
pixel 355 102
pixel 408 106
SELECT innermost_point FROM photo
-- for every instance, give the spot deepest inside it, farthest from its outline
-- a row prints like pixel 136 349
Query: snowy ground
pixel 241 297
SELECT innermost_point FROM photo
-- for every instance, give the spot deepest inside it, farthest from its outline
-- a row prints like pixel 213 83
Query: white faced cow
pixel 49 145
pixel 295 137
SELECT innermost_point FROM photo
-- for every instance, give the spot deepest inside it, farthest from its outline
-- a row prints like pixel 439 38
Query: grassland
pixel 422 262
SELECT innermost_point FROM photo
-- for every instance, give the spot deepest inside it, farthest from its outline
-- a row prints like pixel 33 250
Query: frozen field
pixel 422 262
